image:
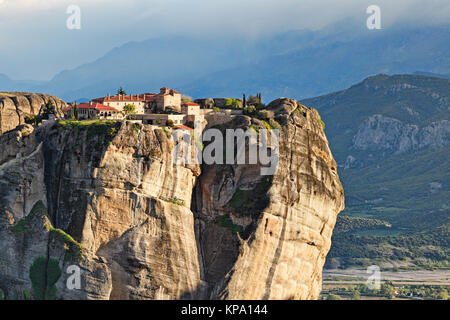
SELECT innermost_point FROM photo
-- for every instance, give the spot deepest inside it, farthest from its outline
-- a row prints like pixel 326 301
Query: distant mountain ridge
pixel 296 64
pixel 390 136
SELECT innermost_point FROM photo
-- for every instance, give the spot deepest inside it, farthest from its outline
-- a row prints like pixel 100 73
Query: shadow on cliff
pixel 227 203
pixel 72 152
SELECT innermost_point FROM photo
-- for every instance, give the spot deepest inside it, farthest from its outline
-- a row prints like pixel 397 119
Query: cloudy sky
pixel 36 44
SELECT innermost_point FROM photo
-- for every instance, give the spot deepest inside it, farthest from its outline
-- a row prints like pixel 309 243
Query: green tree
pixel 121 91
pixel 333 296
pixel 356 295
pixel 387 289
pixel 76 112
pixel 49 109
pixel 43 275
pixel 33 120
pixel 250 110
pixel 129 109
pixel 443 294
pixel 236 103
pixel 72 114
pixel 228 102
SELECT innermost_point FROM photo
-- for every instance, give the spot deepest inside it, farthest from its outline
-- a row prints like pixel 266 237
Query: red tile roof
pixel 143 97
pixel 96 106
pixel 183 127
pixel 133 98
pixel 192 104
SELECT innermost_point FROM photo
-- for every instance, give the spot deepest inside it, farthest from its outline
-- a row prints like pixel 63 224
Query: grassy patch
pixel 176 201
pixel 164 129
pixel 26 294
pixel 251 200
pixel 95 128
pixel 322 123
pixel 74 249
pixel 226 222
pixel 23 224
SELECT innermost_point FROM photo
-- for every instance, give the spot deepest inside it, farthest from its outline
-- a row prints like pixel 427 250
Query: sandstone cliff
pixel 286 219
pixel 106 197
pixel 15 106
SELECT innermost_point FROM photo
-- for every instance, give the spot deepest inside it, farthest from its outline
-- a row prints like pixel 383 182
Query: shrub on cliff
pixel 274 124
pixel 43 275
pixel 33 120
pixel 232 103
pixel 49 109
pixel 250 110
pixel 226 222
pixel 248 201
pixel 23 224
pixel 74 250
pixel 265 114
pixel 107 129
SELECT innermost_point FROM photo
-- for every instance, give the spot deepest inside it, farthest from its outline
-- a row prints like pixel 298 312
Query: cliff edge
pixel 15 106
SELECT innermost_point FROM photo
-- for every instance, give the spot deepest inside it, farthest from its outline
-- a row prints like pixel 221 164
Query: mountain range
pixel 390 136
pixel 296 64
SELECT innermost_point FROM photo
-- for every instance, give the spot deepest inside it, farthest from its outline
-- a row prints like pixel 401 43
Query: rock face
pixel 15 106
pixel 287 219
pixel 385 133
pixel 107 199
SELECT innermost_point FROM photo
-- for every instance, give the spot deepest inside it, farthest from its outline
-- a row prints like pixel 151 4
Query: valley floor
pixel 420 277
pixel 350 284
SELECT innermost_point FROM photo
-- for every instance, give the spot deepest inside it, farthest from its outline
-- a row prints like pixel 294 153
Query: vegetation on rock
pixel 226 222
pixel 44 273
pixel 247 201
pixel 129 109
pixel 23 224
